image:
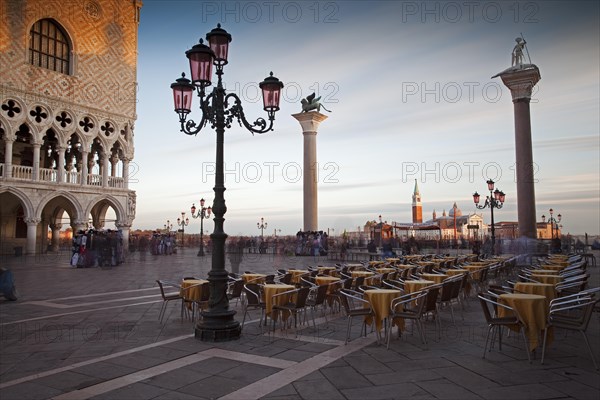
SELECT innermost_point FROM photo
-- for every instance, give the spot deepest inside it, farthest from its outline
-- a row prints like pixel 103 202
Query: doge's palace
pixel 67 113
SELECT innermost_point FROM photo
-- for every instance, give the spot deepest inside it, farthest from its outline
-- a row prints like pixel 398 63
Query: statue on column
pixel 517 53
pixel 312 103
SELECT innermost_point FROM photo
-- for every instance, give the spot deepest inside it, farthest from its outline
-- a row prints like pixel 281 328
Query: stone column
pixel 60 167
pixel 521 81
pixel 36 161
pixel 32 224
pixel 126 173
pixel 124 228
pixel 104 169
pixel 55 243
pixel 8 149
pixel 84 167
pixel 310 121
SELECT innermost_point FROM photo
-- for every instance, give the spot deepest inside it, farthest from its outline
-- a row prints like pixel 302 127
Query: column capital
pixel 55 226
pixel 520 80
pixel 32 221
pixel 310 121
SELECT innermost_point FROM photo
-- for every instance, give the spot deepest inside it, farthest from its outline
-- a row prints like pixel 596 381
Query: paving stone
pixel 385 392
pixel 317 390
pixel 104 370
pixel 366 364
pixel 442 389
pixel 249 373
pixel 345 377
pixel 419 375
pixel 295 355
pixel 177 378
pixel 575 390
pixel 29 391
pixel 286 392
pixel 68 381
pixel 466 378
pixel 212 387
pixel 214 365
pixel 135 391
pixel 530 392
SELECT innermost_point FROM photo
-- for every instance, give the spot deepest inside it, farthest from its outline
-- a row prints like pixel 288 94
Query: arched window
pixel 49 46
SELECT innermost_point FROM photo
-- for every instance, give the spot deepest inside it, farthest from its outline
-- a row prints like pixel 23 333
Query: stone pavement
pixel 94 333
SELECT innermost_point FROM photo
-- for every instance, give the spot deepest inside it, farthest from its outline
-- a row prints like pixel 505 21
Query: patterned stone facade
pixel 66 139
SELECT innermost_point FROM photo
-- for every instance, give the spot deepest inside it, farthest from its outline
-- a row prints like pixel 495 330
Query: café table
pixel 332 271
pixel 368 275
pixel 552 279
pixel 269 290
pixel 456 271
pixel 297 274
pixel 326 280
pixel 544 272
pixel 543 289
pixel 355 267
pixel 385 270
pixel 533 311
pixel 474 270
pixel 254 278
pixel 437 278
pixel 380 300
pixel 191 291
pixel 554 267
pixel 412 286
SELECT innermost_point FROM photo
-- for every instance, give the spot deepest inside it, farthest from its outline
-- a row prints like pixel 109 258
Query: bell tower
pixel 417 209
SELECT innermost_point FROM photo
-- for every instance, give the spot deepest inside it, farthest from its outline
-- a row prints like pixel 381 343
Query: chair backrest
pixel 286 279
pixel 321 294
pixel 205 289
pixel 270 278
pixel 348 299
pixel 447 287
pixel 302 296
pixel 347 283
pixel 162 290
pixel 252 291
pixel 236 289
pixel 359 280
pixel 579 314
pixel 431 299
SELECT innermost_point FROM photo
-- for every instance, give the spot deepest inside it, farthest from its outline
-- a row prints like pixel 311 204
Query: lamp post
pixel 168 226
pixel 203 213
pixel 183 222
pixel 380 232
pixel 262 225
pixel 554 222
pixel 219 109
pixel 494 200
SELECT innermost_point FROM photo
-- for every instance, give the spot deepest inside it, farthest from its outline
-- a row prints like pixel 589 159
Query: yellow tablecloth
pixel 416 285
pixel 380 300
pixel 437 278
pixel 327 271
pixel 325 280
pixel 297 274
pixel 254 278
pixel 272 289
pixel 544 272
pixel 384 270
pixel 452 272
pixel 543 289
pixel 356 274
pixel 552 279
pixel 474 270
pixel 554 267
pixel 533 310
pixel 191 290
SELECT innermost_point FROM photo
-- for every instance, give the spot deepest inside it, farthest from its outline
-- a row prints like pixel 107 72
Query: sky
pixel 411 97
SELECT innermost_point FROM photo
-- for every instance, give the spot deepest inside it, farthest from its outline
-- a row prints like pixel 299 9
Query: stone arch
pixel 27 205
pixel 99 205
pixel 76 209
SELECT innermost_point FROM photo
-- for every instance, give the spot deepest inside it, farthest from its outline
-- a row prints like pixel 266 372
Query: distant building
pixel 510 230
pixel 417 208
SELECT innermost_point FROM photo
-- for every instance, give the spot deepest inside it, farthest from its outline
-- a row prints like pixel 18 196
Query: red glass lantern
pixel 218 40
pixel 476 197
pixel 182 94
pixel 490 184
pixel 201 61
pixel 271 89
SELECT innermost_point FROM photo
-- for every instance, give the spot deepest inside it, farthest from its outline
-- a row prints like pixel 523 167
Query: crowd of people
pixel 97 248
pixel 163 244
pixel 311 243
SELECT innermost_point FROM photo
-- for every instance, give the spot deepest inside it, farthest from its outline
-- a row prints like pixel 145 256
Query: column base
pixel 218 327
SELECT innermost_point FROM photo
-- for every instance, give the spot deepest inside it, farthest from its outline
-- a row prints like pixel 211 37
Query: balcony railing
pixel 47 175
pixel 74 177
pixel 22 172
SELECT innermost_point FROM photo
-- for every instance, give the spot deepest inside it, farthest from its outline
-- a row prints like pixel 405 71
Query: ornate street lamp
pixel 494 200
pixel 262 225
pixel 183 222
pixel 168 226
pixel 554 222
pixel 219 109
pixel 203 213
